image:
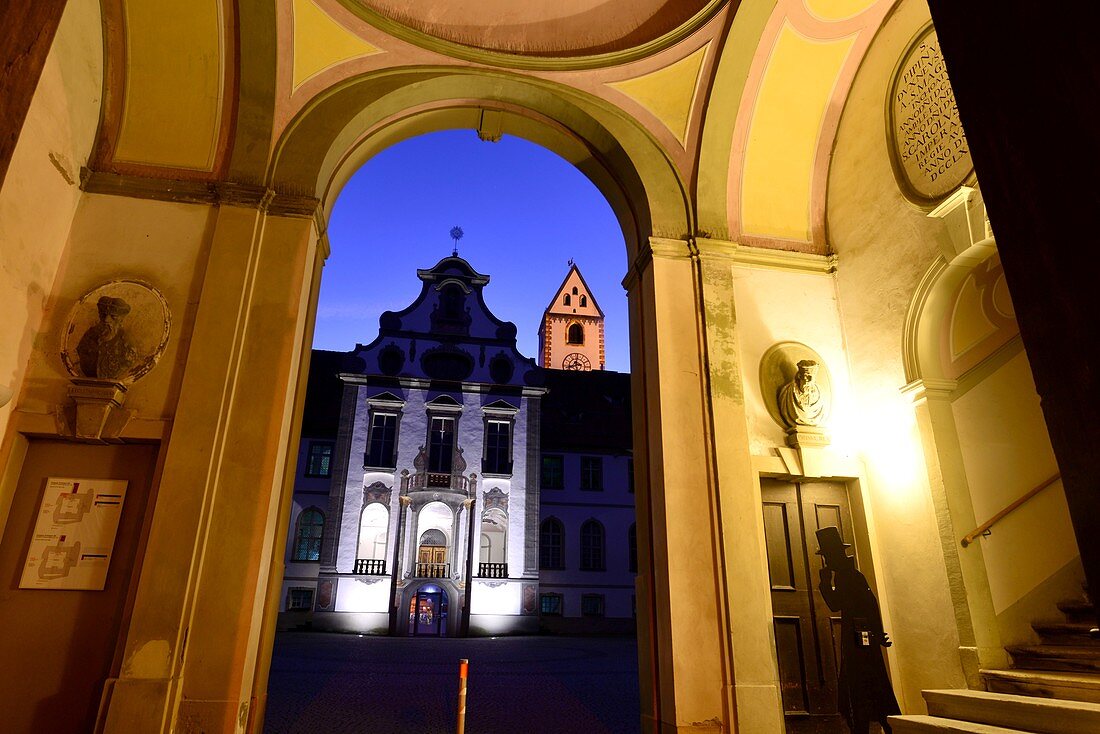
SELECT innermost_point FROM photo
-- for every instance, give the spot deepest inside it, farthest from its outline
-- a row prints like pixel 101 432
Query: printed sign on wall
pixel 74 534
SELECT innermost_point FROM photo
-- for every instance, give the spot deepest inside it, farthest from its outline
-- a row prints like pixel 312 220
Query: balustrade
pixel 433 570
pixel 370 566
pixel 492 570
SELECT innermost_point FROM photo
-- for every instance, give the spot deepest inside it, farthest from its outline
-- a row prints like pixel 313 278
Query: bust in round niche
pixel 797 391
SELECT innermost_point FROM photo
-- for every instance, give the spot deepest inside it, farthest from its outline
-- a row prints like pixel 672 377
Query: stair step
pixel 1078 610
pixel 1047 684
pixel 1055 657
pixel 1066 633
pixel 919 724
pixel 1026 713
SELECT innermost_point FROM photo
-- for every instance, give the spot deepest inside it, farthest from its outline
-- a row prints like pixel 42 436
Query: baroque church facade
pixel 891 190
pixel 417 501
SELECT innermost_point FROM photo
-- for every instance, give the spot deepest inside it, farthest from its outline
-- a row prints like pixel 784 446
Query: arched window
pixel 566 300
pixel 551 544
pixel 575 335
pixel 307 535
pixel 574 290
pixel 584 301
pixel 632 547
pixel 592 546
pixel 494 534
pixel 373 530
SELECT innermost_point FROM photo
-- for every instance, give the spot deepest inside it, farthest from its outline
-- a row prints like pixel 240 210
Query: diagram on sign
pixel 74 534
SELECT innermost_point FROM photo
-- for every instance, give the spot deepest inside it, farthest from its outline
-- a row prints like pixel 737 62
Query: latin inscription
pixel 928 137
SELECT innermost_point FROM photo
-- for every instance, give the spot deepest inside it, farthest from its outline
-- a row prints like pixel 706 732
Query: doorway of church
pixel 428 612
pixel 807 633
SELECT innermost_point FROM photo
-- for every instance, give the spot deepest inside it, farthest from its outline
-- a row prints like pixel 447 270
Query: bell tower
pixel 571 334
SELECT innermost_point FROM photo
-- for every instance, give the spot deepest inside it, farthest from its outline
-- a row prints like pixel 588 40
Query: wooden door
pixel 806 630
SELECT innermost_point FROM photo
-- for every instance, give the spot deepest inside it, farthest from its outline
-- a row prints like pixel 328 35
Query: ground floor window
pixel 550 604
pixel 299 599
pixel 592 605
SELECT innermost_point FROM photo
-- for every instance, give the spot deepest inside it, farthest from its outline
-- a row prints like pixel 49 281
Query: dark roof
pixel 586 411
pixel 324 393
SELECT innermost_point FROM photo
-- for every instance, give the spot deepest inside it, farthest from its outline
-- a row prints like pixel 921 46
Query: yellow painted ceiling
pixel 837 9
pixel 783 134
pixel 171 113
pixel 668 93
pixel 321 43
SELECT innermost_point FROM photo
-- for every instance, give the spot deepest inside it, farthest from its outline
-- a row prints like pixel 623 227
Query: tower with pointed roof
pixel 571 335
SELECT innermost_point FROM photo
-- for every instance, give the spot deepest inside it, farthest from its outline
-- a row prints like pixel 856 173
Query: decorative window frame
pixel 385 404
pixel 498 412
pixel 569 328
pixel 442 406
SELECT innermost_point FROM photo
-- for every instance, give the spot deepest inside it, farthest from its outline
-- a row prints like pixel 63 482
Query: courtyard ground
pixel 346 684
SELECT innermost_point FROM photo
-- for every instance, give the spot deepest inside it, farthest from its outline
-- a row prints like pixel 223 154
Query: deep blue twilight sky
pixel 524 210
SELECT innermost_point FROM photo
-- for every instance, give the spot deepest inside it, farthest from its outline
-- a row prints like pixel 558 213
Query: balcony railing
pixel 370 566
pixel 433 570
pixel 453 481
pixel 492 570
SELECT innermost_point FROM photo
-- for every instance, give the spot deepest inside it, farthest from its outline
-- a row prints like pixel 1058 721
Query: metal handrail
pixel 985 526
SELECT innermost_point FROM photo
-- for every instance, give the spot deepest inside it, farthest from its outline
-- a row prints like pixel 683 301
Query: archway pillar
pixel 744 564
pixel 980 643
pixel 193 644
pixel 686 681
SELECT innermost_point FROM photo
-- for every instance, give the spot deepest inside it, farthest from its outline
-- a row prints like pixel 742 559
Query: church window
pixel 551 544
pixel 592 546
pixel 592 473
pixel 381 441
pixel 575 334
pixel 550 605
pixel 319 463
pixel 574 290
pixel 566 300
pixel 307 535
pixel 584 301
pixel 498 447
pixel 553 472
pixel 441 445
pixel 298 599
pixel 632 547
pixel 591 605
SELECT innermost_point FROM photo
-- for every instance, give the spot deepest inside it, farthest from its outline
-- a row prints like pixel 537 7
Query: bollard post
pixel 463 666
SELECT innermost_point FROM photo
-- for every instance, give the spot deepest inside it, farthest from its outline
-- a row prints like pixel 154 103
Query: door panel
pixel 806 632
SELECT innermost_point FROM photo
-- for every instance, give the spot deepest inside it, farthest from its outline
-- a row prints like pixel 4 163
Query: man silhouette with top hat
pixel 863 688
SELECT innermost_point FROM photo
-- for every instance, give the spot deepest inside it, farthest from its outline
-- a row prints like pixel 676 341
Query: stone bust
pixel 800 400
pixel 105 351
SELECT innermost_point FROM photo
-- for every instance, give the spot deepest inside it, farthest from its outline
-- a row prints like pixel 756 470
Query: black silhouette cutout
pixel 863 691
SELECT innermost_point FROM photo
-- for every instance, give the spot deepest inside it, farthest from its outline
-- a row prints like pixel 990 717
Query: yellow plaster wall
pixel 885 246
pixel 112 237
pixel 175 70
pixel 1006 451
pixel 41 192
pixel 783 134
pixel 774 306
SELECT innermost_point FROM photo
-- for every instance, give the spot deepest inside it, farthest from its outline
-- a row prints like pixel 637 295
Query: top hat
pixel 830 542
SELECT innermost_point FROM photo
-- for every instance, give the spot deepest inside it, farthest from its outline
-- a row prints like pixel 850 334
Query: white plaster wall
pixel 40 192
pixel 1006 451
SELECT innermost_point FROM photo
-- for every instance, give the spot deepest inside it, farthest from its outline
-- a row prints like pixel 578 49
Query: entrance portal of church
pixel 428 612
pixel 806 632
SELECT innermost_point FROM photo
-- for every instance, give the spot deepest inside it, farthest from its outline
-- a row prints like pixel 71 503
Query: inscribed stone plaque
pixel 931 157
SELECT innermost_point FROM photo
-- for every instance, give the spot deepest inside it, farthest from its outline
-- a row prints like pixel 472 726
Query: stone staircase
pixel 1052 688
pixel 1065 664
pixel 984 712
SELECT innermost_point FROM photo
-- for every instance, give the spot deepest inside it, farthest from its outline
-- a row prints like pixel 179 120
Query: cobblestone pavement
pixel 346 684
